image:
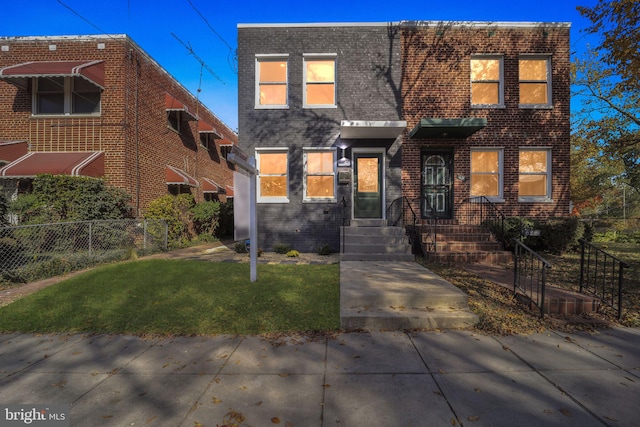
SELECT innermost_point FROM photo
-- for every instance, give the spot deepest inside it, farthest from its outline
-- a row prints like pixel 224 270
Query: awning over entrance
pixel 172 104
pixel 447 128
pixel 177 176
pixel 371 129
pixel 211 187
pixel 13 150
pixel 204 127
pixel 86 163
pixel 19 74
pixel 229 191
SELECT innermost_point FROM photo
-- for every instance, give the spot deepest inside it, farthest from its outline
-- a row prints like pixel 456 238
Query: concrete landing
pixel 379 295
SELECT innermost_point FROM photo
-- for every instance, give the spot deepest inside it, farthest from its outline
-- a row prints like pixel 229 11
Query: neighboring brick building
pixel 100 106
pixel 362 114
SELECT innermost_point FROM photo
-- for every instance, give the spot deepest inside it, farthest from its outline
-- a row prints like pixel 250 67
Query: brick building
pixel 100 106
pixel 350 123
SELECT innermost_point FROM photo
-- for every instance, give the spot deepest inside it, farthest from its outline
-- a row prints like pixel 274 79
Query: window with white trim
pixel 487 81
pixel 65 95
pixel 273 176
pixel 534 181
pixel 272 81
pixel 319 175
pixel 535 81
pixel 319 74
pixel 486 173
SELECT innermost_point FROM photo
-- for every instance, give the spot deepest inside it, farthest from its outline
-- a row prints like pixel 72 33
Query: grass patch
pixel 183 297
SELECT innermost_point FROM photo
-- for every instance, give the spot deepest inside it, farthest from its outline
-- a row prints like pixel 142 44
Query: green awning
pixel 447 128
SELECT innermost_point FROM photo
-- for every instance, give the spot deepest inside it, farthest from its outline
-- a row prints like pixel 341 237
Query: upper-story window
pixel 535 81
pixel 487 81
pixel 319 81
pixel 271 81
pixel 65 95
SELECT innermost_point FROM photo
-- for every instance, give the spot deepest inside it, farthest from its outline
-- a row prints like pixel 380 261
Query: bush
pixel 557 235
pixel 325 250
pixel 206 217
pixel 4 210
pixel 225 221
pixel 241 248
pixel 281 248
pixel 176 211
pixel 293 253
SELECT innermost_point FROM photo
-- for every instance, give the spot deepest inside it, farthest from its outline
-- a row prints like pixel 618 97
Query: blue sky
pixel 161 27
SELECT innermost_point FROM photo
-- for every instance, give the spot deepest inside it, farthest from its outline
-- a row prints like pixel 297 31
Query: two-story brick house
pixel 431 113
pixel 100 106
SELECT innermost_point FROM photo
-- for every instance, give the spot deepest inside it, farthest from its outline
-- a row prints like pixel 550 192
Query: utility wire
pixel 202 63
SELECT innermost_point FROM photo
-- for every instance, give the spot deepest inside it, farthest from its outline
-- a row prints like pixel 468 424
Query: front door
pixel 367 185
pixel 437 184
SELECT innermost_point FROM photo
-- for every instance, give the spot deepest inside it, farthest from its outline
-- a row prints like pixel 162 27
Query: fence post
pixel 581 263
pixel 620 280
pixel 144 234
pixel 90 237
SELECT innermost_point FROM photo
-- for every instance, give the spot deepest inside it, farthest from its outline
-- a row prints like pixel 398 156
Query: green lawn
pixel 183 297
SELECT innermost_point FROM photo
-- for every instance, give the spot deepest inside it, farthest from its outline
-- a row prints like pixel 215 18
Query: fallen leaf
pixel 473 418
pixel 548 411
pixel 441 371
pixel 355 356
pixel 215 400
pixel 106 417
pixel 258 403
pixel 243 387
pixel 283 375
pixel 197 424
pixel 477 390
pixel 326 385
pixel 437 392
pixel 151 419
pixel 275 420
pixel 289 424
pixel 566 412
pixel 454 422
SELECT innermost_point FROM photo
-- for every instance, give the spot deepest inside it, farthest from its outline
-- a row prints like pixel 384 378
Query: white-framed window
pixel 273 175
pixel 272 81
pixel 65 95
pixel 319 76
pixel 534 178
pixel 534 81
pixel 487 173
pixel 319 180
pixel 487 81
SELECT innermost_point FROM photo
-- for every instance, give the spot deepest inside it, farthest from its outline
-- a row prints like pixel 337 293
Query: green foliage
pixel 241 248
pixel 281 248
pixel 293 253
pixel 553 235
pixel 325 250
pixel 176 211
pixel 4 210
pixel 206 217
pixel 56 198
pixel 225 220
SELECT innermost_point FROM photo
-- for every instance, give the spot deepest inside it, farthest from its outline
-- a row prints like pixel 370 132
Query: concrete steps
pixel 379 295
pixel 373 240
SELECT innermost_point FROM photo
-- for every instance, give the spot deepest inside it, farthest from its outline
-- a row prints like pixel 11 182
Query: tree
pixel 607 83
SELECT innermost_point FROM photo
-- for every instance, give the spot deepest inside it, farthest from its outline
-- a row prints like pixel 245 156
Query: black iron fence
pixel 602 275
pixel 530 274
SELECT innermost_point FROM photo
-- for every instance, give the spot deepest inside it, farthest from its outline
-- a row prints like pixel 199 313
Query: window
pixel 319 175
pixel 273 179
pixel 319 81
pixel 535 87
pixel 486 173
pixel 487 81
pixel 535 174
pixel 271 81
pixel 66 95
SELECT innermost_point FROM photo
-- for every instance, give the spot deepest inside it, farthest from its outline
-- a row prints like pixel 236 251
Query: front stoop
pixel 373 240
pixel 378 296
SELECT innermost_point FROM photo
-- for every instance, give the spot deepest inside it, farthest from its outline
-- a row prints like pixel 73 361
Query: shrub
pixel 293 253
pixel 176 211
pixel 281 248
pixel 206 217
pixel 225 221
pixel 4 210
pixel 324 250
pixel 241 248
pixel 557 235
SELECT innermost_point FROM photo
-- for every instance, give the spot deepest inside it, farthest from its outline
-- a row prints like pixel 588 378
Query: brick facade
pixel 131 128
pixel 436 83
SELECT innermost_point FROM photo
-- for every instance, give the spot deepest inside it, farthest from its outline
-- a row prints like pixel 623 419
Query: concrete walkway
pixel 453 378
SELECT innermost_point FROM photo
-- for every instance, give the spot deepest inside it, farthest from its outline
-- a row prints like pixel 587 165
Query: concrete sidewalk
pixel 354 379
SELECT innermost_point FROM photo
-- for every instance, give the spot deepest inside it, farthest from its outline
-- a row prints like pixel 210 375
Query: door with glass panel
pixel 367 185
pixel 437 185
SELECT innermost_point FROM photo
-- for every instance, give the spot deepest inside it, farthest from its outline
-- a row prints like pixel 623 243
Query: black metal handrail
pixel 401 213
pixel 601 275
pixel 482 211
pixel 530 274
pixel 343 204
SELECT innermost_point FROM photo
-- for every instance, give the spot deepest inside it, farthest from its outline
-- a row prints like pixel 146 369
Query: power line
pixel 202 63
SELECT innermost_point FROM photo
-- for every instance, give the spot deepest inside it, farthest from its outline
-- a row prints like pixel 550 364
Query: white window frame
pixel 500 81
pixel 547 58
pixel 308 199
pixel 68 106
pixel 500 197
pixel 546 198
pixel 270 57
pixel 319 56
pixel 268 199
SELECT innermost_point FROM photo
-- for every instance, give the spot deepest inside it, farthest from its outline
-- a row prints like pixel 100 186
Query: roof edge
pixel 411 23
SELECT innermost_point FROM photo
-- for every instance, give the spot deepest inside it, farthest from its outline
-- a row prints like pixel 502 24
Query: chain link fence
pixel 32 252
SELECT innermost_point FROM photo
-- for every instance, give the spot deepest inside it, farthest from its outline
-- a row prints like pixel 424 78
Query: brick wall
pixel 436 84
pixel 132 126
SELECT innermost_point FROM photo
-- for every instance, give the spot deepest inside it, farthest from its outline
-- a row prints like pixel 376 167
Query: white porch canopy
pixel 371 129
